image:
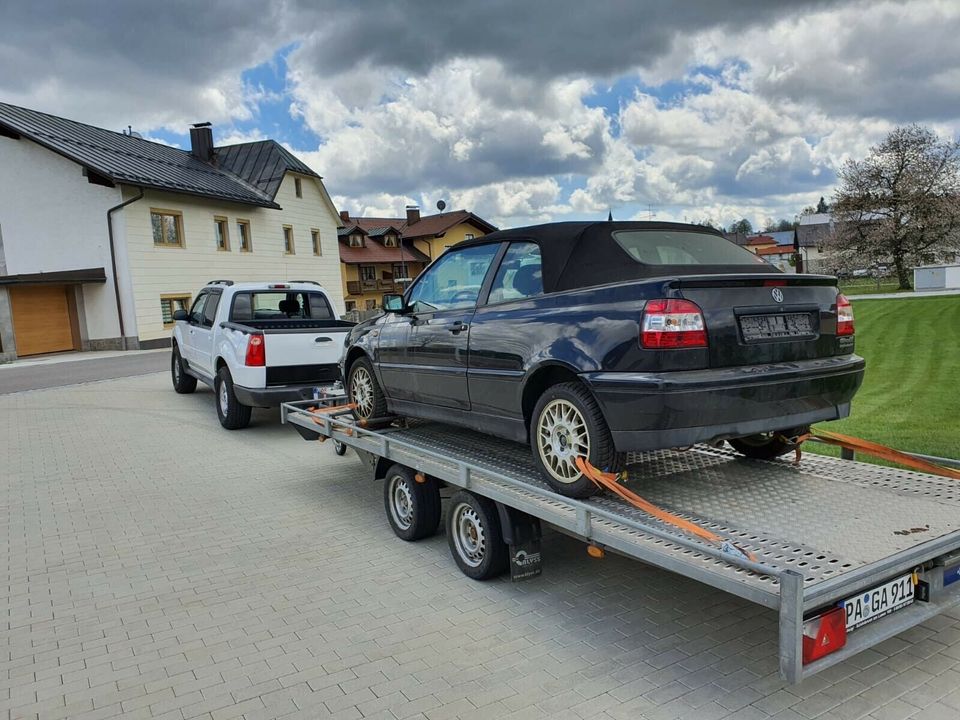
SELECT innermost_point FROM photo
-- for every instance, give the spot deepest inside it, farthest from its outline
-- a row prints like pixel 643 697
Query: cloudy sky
pixel 520 110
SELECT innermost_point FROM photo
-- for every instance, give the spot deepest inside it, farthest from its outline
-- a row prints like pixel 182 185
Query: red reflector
pixel 256 352
pixel 844 316
pixel 669 324
pixel 824 634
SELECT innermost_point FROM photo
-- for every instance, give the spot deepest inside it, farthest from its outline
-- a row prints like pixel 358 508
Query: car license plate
pixel 873 604
pixel 772 327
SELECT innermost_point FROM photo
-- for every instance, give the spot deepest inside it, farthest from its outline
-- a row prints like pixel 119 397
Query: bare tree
pixel 902 202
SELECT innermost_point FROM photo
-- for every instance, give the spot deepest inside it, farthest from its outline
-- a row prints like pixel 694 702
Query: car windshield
pixel 679 247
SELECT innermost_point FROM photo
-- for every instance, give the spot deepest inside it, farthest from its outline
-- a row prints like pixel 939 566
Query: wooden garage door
pixel 41 319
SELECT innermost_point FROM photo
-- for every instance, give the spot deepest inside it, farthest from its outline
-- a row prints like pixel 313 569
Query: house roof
pixel 350 230
pixel 426 226
pixel 776 250
pixel 249 173
pixel 376 252
pixel 813 235
pixel 760 240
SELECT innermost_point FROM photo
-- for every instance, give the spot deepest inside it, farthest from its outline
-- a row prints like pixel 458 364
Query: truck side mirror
pixel 179 315
pixel 394 304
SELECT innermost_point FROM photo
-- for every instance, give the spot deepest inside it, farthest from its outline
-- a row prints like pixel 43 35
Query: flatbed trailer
pixel 823 533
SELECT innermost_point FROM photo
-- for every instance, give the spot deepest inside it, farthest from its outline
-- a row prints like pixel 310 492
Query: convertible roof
pixel 583 254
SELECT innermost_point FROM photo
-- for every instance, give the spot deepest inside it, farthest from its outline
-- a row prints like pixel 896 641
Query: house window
pixel 468 236
pixel 351 305
pixel 288 247
pixel 243 232
pixel 368 272
pixel 315 239
pixel 400 271
pixel 221 233
pixel 390 241
pixel 167 227
pixel 356 240
pixel 169 304
pixel 371 304
pixel 298 187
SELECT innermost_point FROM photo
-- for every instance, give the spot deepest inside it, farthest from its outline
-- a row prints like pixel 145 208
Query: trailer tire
pixel 183 382
pixel 767 446
pixel 475 536
pixel 339 448
pixel 233 415
pixel 364 391
pixel 413 508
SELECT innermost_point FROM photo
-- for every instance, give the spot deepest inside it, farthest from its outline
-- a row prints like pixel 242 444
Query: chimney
pixel 345 215
pixel 413 214
pixel 201 141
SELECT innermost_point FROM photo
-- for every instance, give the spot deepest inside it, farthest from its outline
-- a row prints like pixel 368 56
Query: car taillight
pixel 670 324
pixel 256 352
pixel 844 316
pixel 824 634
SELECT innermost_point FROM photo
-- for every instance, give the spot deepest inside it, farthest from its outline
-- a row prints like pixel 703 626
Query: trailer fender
pixel 521 533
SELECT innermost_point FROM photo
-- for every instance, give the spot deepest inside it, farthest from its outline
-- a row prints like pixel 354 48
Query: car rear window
pixel 279 305
pixel 671 247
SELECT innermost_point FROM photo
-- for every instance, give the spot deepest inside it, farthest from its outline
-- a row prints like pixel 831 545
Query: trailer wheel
pixel 339 448
pixel 767 446
pixel 413 508
pixel 475 537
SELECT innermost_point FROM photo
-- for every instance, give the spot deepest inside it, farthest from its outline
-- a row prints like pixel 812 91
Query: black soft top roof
pixel 583 254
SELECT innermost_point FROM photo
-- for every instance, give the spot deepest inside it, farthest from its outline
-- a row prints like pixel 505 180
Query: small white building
pixel 103 235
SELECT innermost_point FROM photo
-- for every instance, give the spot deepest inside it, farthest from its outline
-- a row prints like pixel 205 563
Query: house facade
pixel 383 254
pixel 104 235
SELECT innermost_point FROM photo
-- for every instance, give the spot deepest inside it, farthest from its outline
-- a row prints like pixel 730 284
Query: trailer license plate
pixel 873 604
pixel 772 327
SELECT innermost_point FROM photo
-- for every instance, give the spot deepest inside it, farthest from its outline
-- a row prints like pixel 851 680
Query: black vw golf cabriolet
pixel 597 339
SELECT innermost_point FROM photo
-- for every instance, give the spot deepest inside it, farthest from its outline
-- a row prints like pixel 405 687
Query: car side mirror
pixel 394 304
pixel 179 315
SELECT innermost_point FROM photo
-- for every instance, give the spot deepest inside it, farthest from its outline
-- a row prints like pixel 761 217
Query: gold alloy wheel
pixel 562 437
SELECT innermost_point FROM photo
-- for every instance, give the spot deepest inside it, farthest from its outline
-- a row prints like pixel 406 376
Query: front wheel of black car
pixel 364 391
pixel 767 446
pixel 567 423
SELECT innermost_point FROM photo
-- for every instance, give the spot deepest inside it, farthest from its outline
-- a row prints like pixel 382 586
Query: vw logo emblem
pixel 777 295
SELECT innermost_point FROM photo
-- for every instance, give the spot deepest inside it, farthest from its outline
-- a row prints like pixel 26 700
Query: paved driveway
pixel 157 566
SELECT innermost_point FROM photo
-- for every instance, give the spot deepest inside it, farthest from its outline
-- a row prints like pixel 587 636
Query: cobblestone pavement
pixel 157 566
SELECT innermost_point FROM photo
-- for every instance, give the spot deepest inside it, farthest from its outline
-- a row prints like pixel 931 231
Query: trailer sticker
pixel 951 575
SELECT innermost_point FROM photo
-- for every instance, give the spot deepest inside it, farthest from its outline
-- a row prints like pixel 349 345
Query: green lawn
pixel 910 398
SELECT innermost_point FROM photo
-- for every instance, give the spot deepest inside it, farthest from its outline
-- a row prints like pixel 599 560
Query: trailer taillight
pixel 844 315
pixel 668 324
pixel 824 634
pixel 256 352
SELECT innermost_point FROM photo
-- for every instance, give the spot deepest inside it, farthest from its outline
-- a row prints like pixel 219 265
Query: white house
pixel 103 234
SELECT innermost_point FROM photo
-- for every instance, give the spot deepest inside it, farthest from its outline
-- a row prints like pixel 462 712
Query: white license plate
pixel 873 604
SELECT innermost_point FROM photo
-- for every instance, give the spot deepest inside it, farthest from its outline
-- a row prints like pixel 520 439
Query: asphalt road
pixel 58 374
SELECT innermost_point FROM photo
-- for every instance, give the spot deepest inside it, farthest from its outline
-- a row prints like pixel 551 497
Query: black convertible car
pixel 597 339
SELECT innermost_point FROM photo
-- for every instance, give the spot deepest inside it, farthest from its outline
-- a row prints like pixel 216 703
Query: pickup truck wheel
pixel 567 423
pixel 475 537
pixel 183 383
pixel 364 391
pixel 767 446
pixel 413 508
pixel 233 415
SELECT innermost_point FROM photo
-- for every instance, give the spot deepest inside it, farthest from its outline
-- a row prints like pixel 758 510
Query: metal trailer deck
pixel 821 531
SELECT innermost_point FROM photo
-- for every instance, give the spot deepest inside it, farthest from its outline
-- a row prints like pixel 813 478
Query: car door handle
pixel 322 339
pixel 458 326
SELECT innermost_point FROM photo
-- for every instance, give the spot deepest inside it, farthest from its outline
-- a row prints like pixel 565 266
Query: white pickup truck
pixel 257 345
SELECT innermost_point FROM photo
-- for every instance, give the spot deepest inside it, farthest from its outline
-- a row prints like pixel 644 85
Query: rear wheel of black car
pixel 767 446
pixel 233 415
pixel 567 423
pixel 364 391
pixel 183 383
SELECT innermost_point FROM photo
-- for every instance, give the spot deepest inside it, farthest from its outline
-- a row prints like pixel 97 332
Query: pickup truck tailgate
pixel 303 356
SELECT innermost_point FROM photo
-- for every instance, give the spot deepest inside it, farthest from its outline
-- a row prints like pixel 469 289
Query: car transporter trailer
pixel 849 554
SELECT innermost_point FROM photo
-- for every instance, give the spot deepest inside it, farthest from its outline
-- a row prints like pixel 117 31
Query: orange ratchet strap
pixel 881 451
pixel 609 482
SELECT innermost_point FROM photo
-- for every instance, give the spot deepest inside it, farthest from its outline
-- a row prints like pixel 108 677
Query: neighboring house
pixel 382 254
pixel 755 243
pixel 103 235
pixel 779 256
pixel 813 240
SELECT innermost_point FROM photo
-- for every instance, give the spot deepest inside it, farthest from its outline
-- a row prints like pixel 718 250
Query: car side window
pixel 454 281
pixel 210 309
pixel 196 311
pixel 519 275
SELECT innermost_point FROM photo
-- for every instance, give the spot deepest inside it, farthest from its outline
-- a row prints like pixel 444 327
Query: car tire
pixel 413 508
pixel 567 421
pixel 365 392
pixel 475 536
pixel 183 382
pixel 233 415
pixel 767 446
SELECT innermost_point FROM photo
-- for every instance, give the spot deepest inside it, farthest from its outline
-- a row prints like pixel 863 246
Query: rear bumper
pixel 273 396
pixel 649 411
